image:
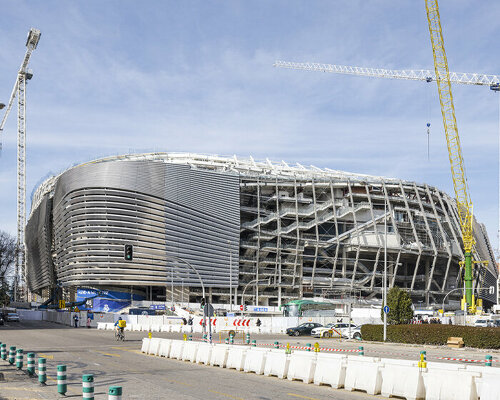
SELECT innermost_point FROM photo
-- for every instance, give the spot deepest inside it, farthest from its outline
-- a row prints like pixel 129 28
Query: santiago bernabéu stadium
pixel 270 231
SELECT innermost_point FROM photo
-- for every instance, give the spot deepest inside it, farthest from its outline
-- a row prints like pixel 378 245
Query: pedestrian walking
pixel 88 322
pixel 75 319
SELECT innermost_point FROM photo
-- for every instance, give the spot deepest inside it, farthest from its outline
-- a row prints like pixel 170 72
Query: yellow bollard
pixel 422 363
pixel 287 350
pixel 316 347
pixel 185 337
pixel 150 335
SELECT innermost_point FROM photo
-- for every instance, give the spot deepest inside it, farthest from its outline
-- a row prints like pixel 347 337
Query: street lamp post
pixel 268 281
pixel 230 276
pixel 384 301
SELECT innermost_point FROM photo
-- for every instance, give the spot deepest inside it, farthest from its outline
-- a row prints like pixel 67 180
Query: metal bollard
pixel 276 345
pixel 19 359
pixel 12 355
pixel 115 393
pixel 30 357
pixel 489 359
pixel 62 387
pixel 254 343
pixel 308 345
pixel 361 351
pixel 42 371
pixel 3 351
pixel 247 338
pixel 88 386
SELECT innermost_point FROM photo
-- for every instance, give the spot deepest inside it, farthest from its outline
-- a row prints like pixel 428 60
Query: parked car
pixel 483 323
pixel 355 332
pixel 326 331
pixel 12 317
pixel 302 329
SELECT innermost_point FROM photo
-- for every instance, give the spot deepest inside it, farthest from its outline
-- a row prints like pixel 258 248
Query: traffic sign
pixel 386 309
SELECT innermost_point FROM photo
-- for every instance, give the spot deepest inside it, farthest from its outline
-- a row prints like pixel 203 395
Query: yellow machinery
pixel 464 203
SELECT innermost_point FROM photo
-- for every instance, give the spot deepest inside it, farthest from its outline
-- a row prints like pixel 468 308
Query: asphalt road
pixel 142 377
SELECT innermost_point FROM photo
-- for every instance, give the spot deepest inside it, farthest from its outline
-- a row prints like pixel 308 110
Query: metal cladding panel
pixel 99 208
pixel 40 269
pixel 203 224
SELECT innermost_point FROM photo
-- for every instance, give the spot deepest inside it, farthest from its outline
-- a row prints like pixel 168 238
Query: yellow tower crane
pixel 464 202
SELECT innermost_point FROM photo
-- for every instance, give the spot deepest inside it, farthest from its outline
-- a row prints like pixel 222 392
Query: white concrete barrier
pixel 145 327
pixel 190 350
pixel 277 364
pixel 136 327
pixel 255 360
pixel 145 345
pixel 186 328
pixel 165 328
pixel 165 348
pixel 219 355
pixel 488 384
pixel 236 357
pixel 330 370
pixel 402 378
pixel 363 373
pixel 154 346
pixel 176 328
pixel 101 325
pixel 302 366
pixel 110 326
pixel 449 382
pixel 197 329
pixel 176 349
pixel 204 353
pixel 155 328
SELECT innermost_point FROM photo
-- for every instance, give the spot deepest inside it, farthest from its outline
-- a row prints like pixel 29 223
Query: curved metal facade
pixel 300 231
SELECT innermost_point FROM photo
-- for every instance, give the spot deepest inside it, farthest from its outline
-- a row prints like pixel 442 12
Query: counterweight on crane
pixel 20 90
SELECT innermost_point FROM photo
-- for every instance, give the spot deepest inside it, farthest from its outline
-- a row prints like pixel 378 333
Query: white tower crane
pixel 493 81
pixel 20 90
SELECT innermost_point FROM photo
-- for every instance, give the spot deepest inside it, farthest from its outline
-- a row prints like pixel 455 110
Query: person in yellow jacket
pixel 120 325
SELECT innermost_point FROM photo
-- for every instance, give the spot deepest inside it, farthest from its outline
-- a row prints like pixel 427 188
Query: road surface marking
pixel 302 397
pixel 226 395
pixel 108 354
pixel 68 387
pixel 46 356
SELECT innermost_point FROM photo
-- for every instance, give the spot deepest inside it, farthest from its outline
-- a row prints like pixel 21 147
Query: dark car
pixel 302 329
pixel 12 317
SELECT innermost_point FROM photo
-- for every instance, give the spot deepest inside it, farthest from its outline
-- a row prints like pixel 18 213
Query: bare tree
pixel 7 258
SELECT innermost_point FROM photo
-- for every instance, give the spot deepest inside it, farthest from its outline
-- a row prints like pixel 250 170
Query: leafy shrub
pixel 434 334
pixel 399 302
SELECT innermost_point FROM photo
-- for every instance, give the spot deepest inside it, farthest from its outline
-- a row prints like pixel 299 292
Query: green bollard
pixel 276 345
pixel 204 337
pixel 31 364
pixel 115 393
pixel 489 360
pixel 12 355
pixel 42 371
pixel 308 345
pixel 88 386
pixel 361 351
pixel 3 351
pixel 226 340
pixel 247 338
pixel 254 343
pixel 19 359
pixel 231 339
pixel 62 387
pixel 190 338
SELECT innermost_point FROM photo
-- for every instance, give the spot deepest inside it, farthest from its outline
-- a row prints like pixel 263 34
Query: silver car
pixel 12 317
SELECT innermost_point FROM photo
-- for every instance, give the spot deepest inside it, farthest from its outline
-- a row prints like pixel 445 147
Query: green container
pixel 115 393
pixel 30 358
pixel 3 351
pixel 42 371
pixel 19 359
pixel 12 355
pixel 88 386
pixel 62 387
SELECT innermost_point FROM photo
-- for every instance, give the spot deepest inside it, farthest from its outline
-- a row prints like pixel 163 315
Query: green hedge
pixel 436 334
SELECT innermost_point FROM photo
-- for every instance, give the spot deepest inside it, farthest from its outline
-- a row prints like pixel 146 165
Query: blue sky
pixel 124 76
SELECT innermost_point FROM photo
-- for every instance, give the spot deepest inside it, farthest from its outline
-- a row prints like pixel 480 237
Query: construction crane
pixel 464 202
pixel 444 79
pixel 19 90
pixel 493 81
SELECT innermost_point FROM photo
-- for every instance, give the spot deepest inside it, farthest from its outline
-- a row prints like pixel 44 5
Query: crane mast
pixel 464 203
pixel 20 90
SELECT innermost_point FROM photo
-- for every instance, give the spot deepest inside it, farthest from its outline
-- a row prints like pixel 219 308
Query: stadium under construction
pixel 161 224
